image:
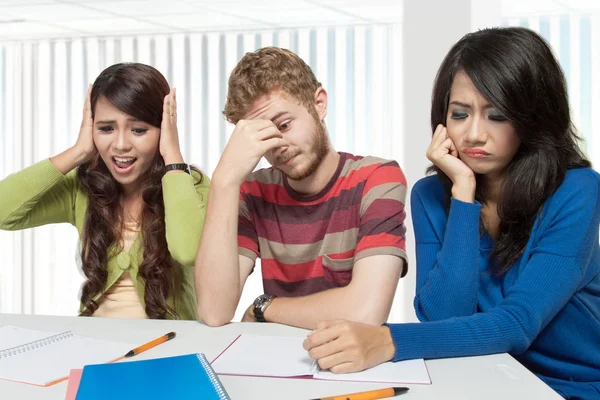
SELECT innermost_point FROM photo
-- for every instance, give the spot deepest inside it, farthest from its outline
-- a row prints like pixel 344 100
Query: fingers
pixel 447 145
pixel 327 350
pixel 441 145
pixel 166 106
pixel 452 148
pixel 334 359
pixel 170 106
pixel 439 136
pixel 319 338
pixel 253 125
pixel 273 143
pixel 435 154
pixel 173 103
pixel 345 368
pixel 87 106
pixel 267 133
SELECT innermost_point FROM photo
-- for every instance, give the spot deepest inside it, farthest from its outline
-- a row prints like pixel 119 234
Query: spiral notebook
pixel 175 378
pixel 284 357
pixel 43 358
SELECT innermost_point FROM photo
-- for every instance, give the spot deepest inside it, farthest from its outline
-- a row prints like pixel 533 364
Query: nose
pixel 122 143
pixel 476 133
pixel 278 152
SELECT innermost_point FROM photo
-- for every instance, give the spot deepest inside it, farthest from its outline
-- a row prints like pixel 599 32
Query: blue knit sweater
pixel 545 310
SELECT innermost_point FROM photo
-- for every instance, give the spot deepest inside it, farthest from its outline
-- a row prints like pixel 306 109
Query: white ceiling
pixel 31 19
pixel 35 19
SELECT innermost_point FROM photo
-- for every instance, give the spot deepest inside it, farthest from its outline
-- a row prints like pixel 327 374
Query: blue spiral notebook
pixel 182 377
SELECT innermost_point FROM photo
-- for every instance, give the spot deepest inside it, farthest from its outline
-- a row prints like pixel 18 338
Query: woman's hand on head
pixel 443 153
pixel 169 137
pixel 85 142
pixel 84 148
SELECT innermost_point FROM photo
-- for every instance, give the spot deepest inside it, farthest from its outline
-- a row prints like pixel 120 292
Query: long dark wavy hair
pixel 515 70
pixel 137 90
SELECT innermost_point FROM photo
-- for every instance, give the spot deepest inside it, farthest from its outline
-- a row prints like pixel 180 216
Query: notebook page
pixel 401 372
pixel 255 355
pixel 12 336
pixel 54 361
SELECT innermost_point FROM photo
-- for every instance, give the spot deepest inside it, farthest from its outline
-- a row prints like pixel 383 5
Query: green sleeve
pixel 185 200
pixel 37 195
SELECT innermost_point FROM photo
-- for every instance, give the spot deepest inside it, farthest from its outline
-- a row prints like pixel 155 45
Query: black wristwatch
pixel 178 167
pixel 260 305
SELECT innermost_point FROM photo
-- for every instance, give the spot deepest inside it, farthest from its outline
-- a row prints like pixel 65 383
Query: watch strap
pixel 178 167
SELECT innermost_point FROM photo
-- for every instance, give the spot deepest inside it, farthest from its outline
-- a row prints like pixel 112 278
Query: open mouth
pixel 123 165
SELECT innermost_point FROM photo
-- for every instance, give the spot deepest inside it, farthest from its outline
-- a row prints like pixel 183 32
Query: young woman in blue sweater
pixel 506 231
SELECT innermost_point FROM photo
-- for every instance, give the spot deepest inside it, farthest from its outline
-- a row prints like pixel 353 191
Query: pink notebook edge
pixel 226 348
pixel 73 386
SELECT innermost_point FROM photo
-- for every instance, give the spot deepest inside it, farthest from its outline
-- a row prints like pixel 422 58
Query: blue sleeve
pixel 447 262
pixel 552 275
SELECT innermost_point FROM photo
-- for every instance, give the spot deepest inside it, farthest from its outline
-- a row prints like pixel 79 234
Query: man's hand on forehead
pixel 249 142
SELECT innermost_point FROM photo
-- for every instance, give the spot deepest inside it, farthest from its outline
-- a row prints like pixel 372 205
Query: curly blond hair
pixel 264 70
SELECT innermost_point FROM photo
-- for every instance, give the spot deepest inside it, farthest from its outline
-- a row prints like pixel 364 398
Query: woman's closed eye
pixel 497 117
pixel 458 115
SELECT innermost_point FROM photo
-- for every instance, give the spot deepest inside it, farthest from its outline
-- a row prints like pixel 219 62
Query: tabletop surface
pixel 491 377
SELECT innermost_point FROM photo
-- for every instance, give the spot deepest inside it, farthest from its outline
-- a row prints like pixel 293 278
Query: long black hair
pixel 515 70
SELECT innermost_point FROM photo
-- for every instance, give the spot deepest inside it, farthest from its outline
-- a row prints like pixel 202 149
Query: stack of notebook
pixel 44 358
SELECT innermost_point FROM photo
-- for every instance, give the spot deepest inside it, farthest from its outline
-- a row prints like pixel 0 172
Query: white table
pixel 491 377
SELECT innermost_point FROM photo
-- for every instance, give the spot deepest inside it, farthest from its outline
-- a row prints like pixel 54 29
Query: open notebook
pixel 284 357
pixel 42 358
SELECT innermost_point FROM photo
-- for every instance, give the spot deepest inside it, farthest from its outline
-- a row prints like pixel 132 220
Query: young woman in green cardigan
pixel 138 208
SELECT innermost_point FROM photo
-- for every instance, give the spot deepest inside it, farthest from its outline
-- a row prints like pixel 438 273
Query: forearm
pixel 174 158
pixel 339 303
pixel 450 286
pixel 185 212
pixel 68 160
pixel 21 205
pixel 217 276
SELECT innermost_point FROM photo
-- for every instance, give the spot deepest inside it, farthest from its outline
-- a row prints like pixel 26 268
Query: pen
pixel 147 346
pixel 370 395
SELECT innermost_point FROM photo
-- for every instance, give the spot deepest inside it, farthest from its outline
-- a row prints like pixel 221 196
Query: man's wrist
pixel 261 304
pixel 221 180
pixel 269 311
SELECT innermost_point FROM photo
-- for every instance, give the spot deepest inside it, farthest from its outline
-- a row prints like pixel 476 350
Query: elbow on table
pixel 214 318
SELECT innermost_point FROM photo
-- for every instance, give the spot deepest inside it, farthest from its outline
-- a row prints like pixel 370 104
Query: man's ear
pixel 321 103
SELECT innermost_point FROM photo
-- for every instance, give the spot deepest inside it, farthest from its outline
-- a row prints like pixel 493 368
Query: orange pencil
pixel 370 395
pixel 147 346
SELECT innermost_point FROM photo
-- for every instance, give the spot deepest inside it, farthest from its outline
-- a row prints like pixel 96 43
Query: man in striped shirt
pixel 328 226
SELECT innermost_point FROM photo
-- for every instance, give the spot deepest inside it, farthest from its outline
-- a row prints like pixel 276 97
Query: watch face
pixel 262 299
pixel 259 300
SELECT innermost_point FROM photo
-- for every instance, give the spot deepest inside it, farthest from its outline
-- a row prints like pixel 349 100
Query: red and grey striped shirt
pixel 308 244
